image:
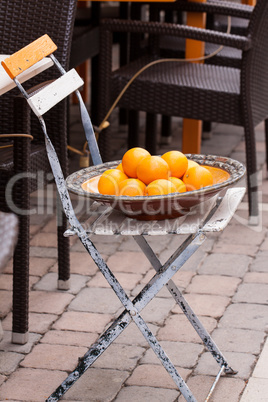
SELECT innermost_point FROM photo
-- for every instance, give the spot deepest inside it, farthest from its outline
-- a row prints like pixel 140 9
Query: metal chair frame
pixel 215 215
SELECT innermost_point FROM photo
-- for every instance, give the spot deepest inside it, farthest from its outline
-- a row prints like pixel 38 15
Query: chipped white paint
pixel 53 93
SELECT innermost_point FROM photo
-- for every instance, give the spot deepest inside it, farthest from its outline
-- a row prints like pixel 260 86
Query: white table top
pixel 6 83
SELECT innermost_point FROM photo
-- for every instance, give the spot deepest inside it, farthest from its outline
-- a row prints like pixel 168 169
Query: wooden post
pixel 249 2
pixel 192 129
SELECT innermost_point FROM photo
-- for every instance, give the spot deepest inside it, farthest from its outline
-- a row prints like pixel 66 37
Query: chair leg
pixel 63 250
pixel 151 133
pixel 133 129
pixel 166 130
pixel 21 197
pixel 252 176
pixel 266 145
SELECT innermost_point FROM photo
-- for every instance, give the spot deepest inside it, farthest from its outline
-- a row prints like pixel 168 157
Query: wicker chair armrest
pixel 220 7
pixel 168 29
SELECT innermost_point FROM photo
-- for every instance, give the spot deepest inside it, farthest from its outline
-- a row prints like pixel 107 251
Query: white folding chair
pixel 213 216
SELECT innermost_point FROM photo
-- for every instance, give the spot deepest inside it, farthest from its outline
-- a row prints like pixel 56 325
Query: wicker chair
pixel 197 91
pixel 174 47
pixel 21 22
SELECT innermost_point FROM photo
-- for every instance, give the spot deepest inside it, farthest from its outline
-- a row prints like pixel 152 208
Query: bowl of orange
pixel 147 187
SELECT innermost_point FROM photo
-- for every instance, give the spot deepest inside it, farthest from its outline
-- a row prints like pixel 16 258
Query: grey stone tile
pixel 28 384
pixel 133 336
pixel 260 263
pixel 7 346
pixel 177 328
pixel 238 340
pixel 49 282
pixel 225 264
pixel 96 300
pixel 180 353
pixel 120 357
pixel 256 390
pixel 9 362
pixel 97 385
pixel 228 389
pixel 252 293
pixel 153 375
pixel 207 305
pixel 146 394
pixel 245 316
pixel 157 310
pixel 242 362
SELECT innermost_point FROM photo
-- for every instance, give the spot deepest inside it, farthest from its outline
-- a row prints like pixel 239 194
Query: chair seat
pixel 178 80
pixel 38 153
pixel 38 162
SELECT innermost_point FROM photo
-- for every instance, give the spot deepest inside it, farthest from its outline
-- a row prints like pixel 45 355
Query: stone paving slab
pixel 208 305
pixel 35 385
pixel 49 302
pixel 181 354
pixel 100 384
pixel 155 376
pixel 213 284
pixel 120 357
pixel 146 394
pixel 7 346
pixel 252 293
pixel 177 328
pixel 133 336
pixel 98 300
pixel 260 262
pixel 228 264
pixel 49 282
pixel 257 389
pixel 131 262
pixel 245 316
pixel 127 280
pixel 73 338
pixel 9 362
pixel 228 389
pixel 5 302
pixel 242 362
pixel 82 321
pixel 239 340
pixel 225 282
pixel 38 323
pixel 54 357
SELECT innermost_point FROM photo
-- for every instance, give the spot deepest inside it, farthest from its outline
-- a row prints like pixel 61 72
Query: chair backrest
pixel 254 77
pixel 23 21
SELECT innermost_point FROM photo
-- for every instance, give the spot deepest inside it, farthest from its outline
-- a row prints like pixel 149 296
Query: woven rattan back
pixel 21 22
pixel 255 63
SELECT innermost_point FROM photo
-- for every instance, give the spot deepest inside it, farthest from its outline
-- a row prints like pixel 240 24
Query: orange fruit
pixel 161 187
pixel 132 187
pixel 109 181
pixel 120 167
pixel 131 159
pixel 180 186
pixel 197 177
pixel 177 163
pixel 192 163
pixel 151 168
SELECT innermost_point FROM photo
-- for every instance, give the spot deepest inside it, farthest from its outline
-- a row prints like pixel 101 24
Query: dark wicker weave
pixel 175 47
pixel 197 91
pixel 21 22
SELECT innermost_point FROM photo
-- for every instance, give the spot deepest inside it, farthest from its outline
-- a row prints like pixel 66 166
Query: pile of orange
pixel 141 173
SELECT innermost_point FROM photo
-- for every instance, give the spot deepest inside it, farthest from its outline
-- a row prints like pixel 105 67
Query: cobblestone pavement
pixel 225 282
